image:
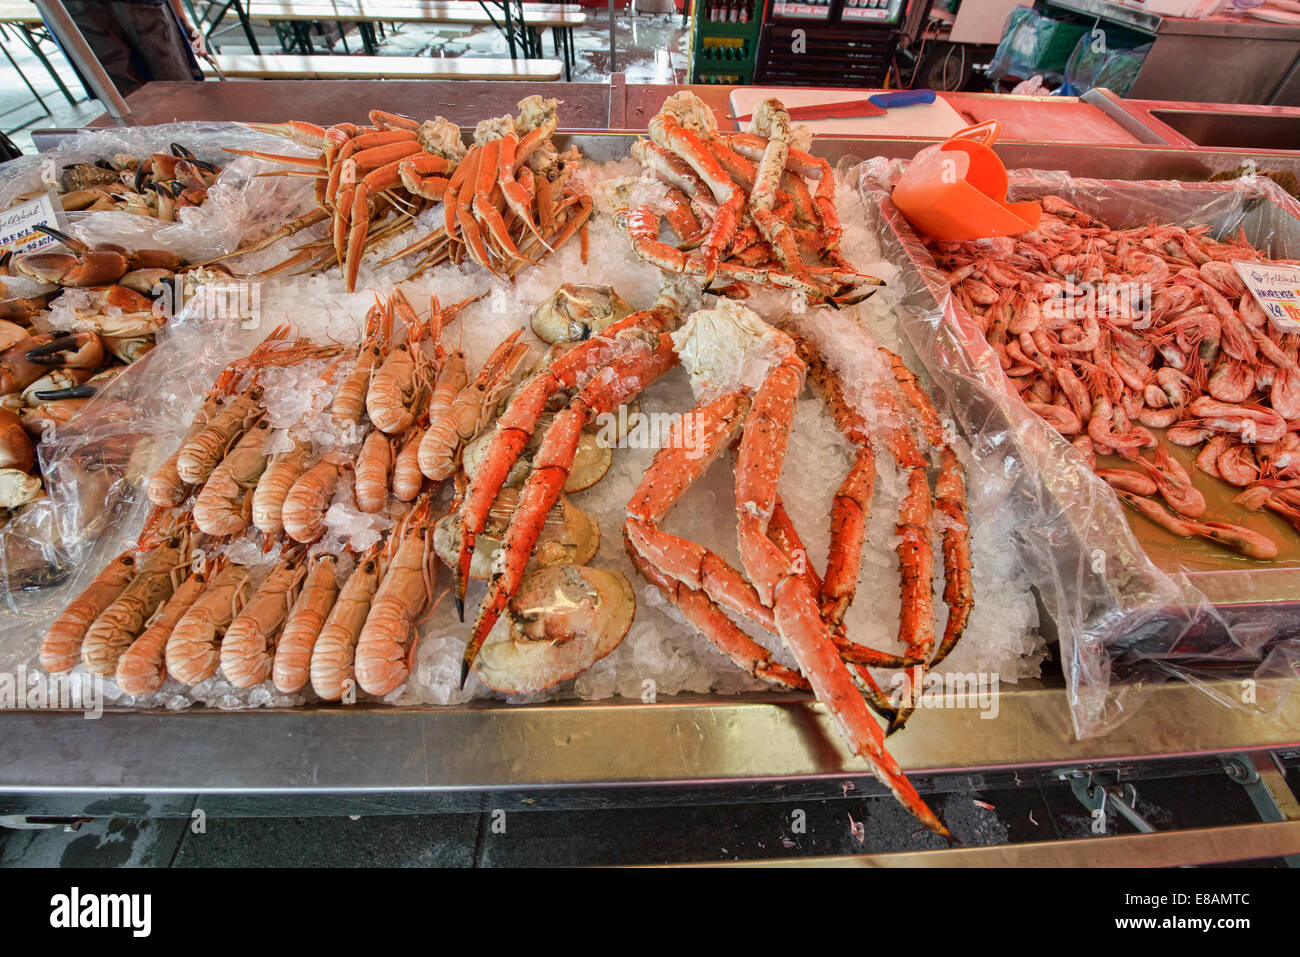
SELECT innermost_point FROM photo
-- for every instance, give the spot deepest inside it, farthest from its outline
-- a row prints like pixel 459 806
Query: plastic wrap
pixel 1034 43
pixel 238 204
pixel 1094 64
pixel 1124 624
pixel 40 543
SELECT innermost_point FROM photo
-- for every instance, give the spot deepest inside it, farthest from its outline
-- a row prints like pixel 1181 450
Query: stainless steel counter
pixel 1213 61
pixel 353 759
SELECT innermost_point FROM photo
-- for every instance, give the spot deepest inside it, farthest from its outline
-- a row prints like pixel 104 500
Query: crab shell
pixel 493 128
pixel 563 619
pixel 535 111
pixel 728 347
pixel 576 311
pixel 441 137
pixel 691 113
pixel 575 540
pixel 18 488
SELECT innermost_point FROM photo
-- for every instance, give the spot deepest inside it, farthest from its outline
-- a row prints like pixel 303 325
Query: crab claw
pixel 76 245
pixel 77 350
pixel 72 392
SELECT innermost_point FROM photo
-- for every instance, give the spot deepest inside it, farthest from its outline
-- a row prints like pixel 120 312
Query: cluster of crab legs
pixel 742 206
pixel 507 200
pixel 782 592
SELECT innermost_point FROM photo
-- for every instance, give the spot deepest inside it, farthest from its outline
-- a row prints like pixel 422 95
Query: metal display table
pixel 1213 61
pixel 368 759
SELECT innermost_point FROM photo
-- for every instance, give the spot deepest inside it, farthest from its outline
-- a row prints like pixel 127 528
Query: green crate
pixel 722 51
pixel 1035 43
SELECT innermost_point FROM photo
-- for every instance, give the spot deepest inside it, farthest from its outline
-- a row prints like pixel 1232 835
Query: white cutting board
pixel 935 120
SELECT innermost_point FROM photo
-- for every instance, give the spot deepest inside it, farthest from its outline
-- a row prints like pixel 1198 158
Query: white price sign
pixel 18 225
pixel 1277 290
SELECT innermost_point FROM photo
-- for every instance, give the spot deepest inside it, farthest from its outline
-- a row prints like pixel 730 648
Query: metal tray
pixel 1261 596
pixel 376 759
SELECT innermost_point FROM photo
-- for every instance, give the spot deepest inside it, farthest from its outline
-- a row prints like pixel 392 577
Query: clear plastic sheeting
pixel 42 543
pixel 239 204
pixel 1124 623
pixel 95 467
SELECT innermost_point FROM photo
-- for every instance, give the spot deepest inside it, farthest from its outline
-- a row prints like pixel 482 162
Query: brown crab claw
pixel 72 242
pixel 142 175
pixel 77 350
pixel 93 268
pixel 50 354
pixel 72 392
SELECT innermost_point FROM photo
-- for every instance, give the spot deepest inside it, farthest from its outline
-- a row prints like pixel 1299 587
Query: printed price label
pixel 803 10
pixel 17 225
pixel 1277 290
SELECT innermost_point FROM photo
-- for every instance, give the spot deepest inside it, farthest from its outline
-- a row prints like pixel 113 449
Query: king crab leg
pixel 782 583
pixel 641 361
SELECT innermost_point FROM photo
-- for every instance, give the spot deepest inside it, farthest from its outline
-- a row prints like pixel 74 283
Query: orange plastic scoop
pixel 958 189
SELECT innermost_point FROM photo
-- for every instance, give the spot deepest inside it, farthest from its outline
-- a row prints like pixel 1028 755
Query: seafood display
pixel 490 436
pixel 157 185
pixel 751 208
pixel 1132 341
pixel 73 318
pixel 543 450
pixel 347 620
pixel 507 200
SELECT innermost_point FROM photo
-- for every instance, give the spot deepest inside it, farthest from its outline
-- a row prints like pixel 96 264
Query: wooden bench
pixel 299 14
pixel 325 67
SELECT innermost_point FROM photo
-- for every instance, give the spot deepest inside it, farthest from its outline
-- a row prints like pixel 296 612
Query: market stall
pixel 647 702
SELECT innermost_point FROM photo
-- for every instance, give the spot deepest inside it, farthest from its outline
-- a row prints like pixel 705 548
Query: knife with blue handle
pixel 872 106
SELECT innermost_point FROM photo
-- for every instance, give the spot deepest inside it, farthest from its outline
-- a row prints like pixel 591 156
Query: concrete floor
pixel 701 832
pixel 20 109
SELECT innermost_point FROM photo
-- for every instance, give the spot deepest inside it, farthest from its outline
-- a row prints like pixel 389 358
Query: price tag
pixel 1277 290
pixel 17 225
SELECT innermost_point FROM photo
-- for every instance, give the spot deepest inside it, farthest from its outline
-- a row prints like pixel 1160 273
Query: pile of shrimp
pixel 1116 335
pixel 177 605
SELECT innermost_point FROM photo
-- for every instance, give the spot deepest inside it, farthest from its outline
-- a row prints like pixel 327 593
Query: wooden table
pixel 521 28
pixel 318 67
